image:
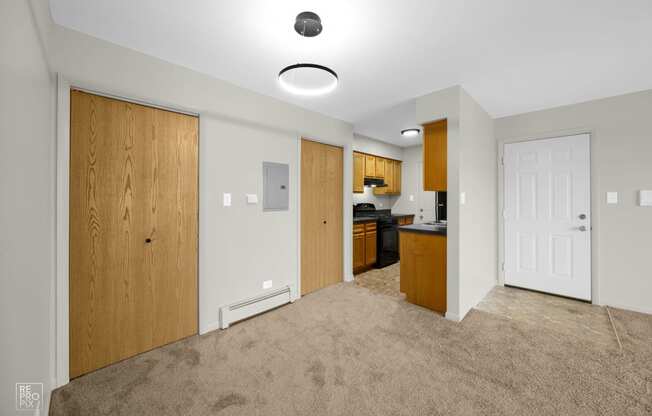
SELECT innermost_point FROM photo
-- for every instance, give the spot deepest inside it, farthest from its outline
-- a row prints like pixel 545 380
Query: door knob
pixel 582 228
pixel 582 216
pixel 324 221
pixel 148 240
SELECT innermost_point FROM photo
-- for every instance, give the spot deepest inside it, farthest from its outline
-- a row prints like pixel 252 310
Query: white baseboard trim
pixel 452 317
pixel 210 327
pixel 271 299
pixel 647 311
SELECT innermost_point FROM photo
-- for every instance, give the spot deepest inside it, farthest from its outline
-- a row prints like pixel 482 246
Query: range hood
pixel 374 183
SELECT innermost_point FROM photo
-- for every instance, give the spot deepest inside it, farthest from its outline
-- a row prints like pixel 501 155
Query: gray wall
pixel 478 216
pixel 26 205
pixel 621 161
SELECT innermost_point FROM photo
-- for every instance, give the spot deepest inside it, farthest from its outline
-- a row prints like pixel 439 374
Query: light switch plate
pixel 411 198
pixel 267 284
pixel 612 197
pixel 462 198
pixel 227 200
pixel 252 199
pixel 645 198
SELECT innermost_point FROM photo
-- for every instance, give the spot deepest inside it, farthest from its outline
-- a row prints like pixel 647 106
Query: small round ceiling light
pixel 410 132
pixel 305 78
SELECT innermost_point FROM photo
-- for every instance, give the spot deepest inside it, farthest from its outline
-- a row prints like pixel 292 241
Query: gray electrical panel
pixel 276 186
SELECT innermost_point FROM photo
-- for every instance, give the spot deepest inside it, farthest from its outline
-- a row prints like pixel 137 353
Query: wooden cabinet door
pixel 321 215
pixel 397 177
pixel 358 251
pixel 380 167
pixel 358 172
pixel 389 177
pixel 369 166
pixel 370 248
pixel 423 270
pixel 133 229
pixel 435 156
pixel 358 246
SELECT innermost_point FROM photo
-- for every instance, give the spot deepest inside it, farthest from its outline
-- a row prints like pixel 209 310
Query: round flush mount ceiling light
pixel 410 132
pixel 304 78
pixel 308 79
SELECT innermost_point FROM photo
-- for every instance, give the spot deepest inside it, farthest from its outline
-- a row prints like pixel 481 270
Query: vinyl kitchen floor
pixel 385 281
pixel 349 350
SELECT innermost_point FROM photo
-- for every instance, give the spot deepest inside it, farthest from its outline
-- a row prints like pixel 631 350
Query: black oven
pixel 387 252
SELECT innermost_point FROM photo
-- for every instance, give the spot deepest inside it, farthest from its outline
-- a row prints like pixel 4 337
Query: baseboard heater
pixel 244 309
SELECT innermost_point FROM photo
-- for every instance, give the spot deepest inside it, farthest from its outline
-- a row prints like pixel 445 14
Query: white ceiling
pixel 386 124
pixel 512 56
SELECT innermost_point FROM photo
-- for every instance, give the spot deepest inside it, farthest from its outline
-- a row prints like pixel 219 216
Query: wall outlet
pixel 380 204
pixel 226 200
pixel 267 284
pixel 462 198
pixel 612 197
pixel 411 198
pixel 252 199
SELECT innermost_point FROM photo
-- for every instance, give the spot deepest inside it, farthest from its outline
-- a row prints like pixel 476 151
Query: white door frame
pixel 595 282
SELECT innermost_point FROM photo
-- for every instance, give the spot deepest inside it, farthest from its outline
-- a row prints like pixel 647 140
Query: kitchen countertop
pixel 364 219
pixel 424 228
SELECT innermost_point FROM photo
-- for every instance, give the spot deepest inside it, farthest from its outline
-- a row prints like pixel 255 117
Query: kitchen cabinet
pixel 380 167
pixel 406 220
pixel 369 166
pixel 358 247
pixel 435 156
pixel 364 246
pixel 358 172
pixel 423 269
pixel 392 178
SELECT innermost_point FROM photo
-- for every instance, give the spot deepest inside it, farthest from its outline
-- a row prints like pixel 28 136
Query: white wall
pixel 26 205
pixel 238 130
pixel 472 233
pixel 376 147
pixel 478 216
pixel 621 161
pixel 241 246
pixel 436 106
pixel 412 186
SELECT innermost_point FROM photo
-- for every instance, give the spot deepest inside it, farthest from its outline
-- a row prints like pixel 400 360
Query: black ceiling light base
pixel 308 24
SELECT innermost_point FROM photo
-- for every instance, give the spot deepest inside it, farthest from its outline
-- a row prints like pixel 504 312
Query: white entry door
pixel 547 215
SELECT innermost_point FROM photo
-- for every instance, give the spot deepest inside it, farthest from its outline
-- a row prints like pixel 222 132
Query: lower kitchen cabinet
pixel 364 246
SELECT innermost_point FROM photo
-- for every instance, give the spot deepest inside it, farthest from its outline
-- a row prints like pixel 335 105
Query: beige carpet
pixel 346 350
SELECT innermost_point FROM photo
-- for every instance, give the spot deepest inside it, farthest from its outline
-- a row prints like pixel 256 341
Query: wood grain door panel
pixel 133 176
pixel 435 156
pixel 321 215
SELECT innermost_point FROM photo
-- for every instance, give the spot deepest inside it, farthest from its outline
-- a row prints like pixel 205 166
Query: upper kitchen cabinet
pixel 369 166
pixel 392 178
pixel 435 156
pixel 358 172
pixel 380 167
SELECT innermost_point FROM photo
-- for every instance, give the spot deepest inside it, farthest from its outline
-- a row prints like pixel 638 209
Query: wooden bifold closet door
pixel 321 215
pixel 133 229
